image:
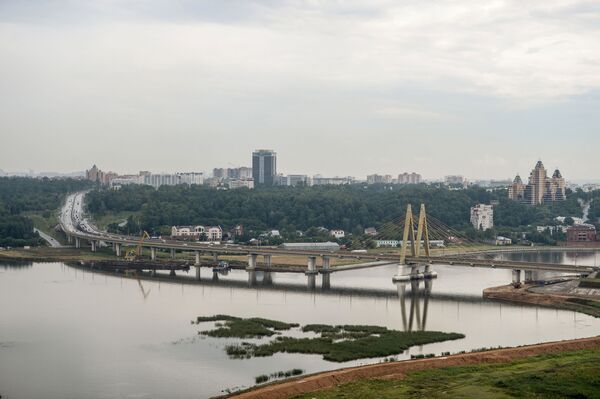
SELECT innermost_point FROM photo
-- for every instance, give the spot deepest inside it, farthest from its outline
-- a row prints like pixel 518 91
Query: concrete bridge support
pixel 172 253
pixel 267 260
pixel 94 245
pixel 198 272
pixel 312 265
pixel 215 257
pixel 152 253
pixel 197 256
pixel 117 249
pixel 528 276
pixel 77 242
pixel 325 268
pixel 252 262
pixel 70 239
pixel 414 272
pixel 516 276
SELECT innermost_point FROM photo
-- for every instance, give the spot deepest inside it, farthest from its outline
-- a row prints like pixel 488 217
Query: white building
pixel 191 232
pixel 482 216
pixel 210 233
pixel 337 233
pixel 239 183
pixel 503 241
pixel 124 181
pixel 214 233
pixel 387 243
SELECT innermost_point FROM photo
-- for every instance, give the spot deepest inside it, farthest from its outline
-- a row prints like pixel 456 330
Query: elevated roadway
pixel 78 228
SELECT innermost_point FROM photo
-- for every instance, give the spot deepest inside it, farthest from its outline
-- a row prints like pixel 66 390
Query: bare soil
pixel 398 370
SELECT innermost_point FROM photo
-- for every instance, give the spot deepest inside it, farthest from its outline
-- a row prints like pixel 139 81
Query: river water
pixel 66 332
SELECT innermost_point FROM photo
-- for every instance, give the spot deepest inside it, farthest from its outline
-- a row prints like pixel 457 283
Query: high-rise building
pixel 264 167
pixel 409 178
pixel 516 191
pixel 482 217
pixel 541 188
pixel 378 179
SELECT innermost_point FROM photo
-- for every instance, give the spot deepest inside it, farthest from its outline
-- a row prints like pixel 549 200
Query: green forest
pixel 19 195
pixel 288 209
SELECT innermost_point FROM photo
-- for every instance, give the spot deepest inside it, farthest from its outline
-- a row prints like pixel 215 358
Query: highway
pixel 75 224
pixel 48 238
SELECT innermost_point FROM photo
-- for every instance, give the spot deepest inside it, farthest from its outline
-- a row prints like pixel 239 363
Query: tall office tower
pixel 537 181
pixel 264 167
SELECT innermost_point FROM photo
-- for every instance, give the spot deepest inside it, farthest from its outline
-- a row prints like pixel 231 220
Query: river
pixel 67 332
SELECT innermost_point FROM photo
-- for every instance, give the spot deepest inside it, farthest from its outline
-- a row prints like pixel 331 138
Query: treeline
pixel 21 194
pixel 24 194
pixel 17 231
pixel 351 208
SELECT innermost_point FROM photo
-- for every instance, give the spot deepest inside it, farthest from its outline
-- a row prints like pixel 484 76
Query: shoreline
pixel 398 370
pixel 522 295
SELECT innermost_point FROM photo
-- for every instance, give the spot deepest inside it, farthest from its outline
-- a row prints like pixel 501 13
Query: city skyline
pixel 349 85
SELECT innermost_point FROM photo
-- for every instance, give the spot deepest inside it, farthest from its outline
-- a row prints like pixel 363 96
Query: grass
pixel 278 375
pixel 339 343
pixel 103 221
pixel 585 302
pixel 46 254
pixel 362 345
pixel 566 375
pixel 590 283
pixel 46 222
pixel 235 327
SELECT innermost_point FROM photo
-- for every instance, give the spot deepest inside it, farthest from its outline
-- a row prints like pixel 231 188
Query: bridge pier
pixel 172 253
pixel 69 238
pixel 94 245
pixel 152 253
pixel 77 242
pixel 117 247
pixel 267 260
pixel 312 265
pixel 251 277
pixel 198 272
pixel 252 262
pixel 516 276
pixel 326 281
pixel 197 256
pixel 325 268
pixel 528 276
pixel 215 257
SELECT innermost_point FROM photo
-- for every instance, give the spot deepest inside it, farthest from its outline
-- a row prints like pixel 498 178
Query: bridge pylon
pixel 413 237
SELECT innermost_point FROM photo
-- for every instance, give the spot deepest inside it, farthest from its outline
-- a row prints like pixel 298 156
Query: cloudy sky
pixel 480 88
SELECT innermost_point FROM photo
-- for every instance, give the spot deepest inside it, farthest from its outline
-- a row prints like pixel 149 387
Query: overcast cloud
pixel 477 88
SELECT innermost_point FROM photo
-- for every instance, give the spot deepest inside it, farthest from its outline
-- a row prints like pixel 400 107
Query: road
pixel 75 224
pixel 49 239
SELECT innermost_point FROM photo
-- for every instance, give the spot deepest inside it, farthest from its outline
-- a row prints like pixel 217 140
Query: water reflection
pixel 415 296
pixel 573 257
pixel 14 264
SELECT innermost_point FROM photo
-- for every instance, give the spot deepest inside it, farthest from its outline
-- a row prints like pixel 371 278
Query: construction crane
pixel 133 254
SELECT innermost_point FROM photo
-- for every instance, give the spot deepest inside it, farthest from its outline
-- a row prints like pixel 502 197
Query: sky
pixel 478 88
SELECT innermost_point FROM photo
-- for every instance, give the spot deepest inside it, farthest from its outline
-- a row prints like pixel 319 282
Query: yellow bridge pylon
pixel 413 237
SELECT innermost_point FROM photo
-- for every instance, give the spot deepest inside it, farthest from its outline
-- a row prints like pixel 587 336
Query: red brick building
pixel 582 235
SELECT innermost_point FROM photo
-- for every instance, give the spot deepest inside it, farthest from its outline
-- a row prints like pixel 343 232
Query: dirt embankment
pixel 397 370
pixel 554 300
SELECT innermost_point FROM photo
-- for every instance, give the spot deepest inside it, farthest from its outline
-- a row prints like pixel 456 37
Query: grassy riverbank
pixel 46 254
pixel 570 374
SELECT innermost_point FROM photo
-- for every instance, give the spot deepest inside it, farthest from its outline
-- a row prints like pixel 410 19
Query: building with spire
pixel 541 189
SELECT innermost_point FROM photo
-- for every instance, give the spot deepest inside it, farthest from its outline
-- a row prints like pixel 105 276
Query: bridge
pixel 416 254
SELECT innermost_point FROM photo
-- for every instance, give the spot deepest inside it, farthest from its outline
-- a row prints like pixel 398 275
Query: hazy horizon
pixel 478 89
